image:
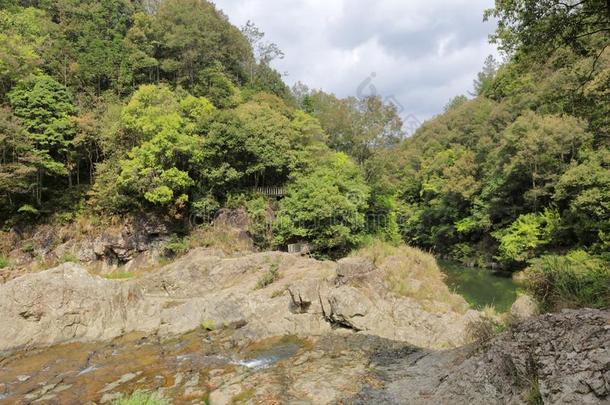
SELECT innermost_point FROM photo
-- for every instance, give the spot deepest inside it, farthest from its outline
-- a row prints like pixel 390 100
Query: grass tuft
pixel 176 247
pixel 119 275
pixel 410 272
pixel 228 240
pixel 140 397
pixel 208 325
pixel 243 397
pixel 270 277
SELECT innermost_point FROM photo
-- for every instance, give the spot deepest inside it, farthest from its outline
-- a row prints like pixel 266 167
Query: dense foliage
pixel 572 281
pixel 326 206
pixel 522 168
pixel 123 107
pixel 126 106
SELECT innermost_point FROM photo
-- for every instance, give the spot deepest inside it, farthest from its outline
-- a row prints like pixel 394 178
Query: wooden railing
pixel 270 191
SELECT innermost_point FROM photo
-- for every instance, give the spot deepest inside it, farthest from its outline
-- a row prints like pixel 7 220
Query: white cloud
pixel 423 52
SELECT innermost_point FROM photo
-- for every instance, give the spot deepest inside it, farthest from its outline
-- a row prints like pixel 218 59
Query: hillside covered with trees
pixel 124 107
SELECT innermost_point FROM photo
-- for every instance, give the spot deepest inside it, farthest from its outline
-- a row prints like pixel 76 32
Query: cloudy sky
pixel 416 53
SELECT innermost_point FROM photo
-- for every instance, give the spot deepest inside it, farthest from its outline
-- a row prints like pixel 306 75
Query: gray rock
pixel 68 304
pixel 559 358
pixel 352 269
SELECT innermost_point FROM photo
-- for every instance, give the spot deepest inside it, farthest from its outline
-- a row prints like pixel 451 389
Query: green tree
pixel 249 146
pixel 151 109
pixel 87 50
pixel 160 171
pixel 584 192
pixel 522 240
pixel 455 102
pixel 484 80
pixel 46 111
pixel 23 33
pixel 17 164
pixel 325 207
pixel 540 26
pixel 536 151
pixel 182 38
pixel 216 86
pixel 358 127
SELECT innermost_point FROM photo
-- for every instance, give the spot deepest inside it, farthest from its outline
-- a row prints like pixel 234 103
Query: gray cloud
pixel 423 52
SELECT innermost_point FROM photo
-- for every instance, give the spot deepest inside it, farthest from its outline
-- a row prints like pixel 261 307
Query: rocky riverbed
pixel 273 328
pixel 560 359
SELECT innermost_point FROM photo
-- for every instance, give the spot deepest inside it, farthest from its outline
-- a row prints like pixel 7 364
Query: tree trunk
pixel 90 155
pixel 39 187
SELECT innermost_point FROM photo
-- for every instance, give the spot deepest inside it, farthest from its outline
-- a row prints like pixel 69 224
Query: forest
pixel 124 107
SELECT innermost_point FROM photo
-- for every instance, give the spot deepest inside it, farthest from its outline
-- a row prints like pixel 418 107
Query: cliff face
pixel 130 242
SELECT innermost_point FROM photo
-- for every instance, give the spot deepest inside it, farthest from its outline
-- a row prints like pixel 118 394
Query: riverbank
pixel 379 326
pixel 559 359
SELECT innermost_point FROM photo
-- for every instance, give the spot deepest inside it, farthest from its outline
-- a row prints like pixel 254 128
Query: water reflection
pixel 481 287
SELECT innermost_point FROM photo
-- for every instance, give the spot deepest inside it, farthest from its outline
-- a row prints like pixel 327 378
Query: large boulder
pixel 353 269
pixel 553 359
pixel 205 287
pixel 66 304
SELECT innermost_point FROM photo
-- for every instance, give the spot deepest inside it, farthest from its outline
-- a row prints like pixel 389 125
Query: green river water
pixel 481 287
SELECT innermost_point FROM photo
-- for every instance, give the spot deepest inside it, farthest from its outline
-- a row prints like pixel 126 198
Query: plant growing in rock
pixel 279 293
pixel 270 277
pixel 119 275
pixel 208 324
pixel 28 248
pixel 176 246
pixel 482 330
pixel 140 397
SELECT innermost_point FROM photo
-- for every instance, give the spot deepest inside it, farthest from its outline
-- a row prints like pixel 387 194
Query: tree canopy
pixel 129 106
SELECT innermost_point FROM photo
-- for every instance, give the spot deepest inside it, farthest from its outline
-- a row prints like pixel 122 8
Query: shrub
pixel 4 262
pixel 573 281
pixel 521 240
pixel 481 331
pixel 176 246
pixel 28 209
pixel 259 213
pixel 140 397
pixel 68 257
pixel 486 327
pixel 227 239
